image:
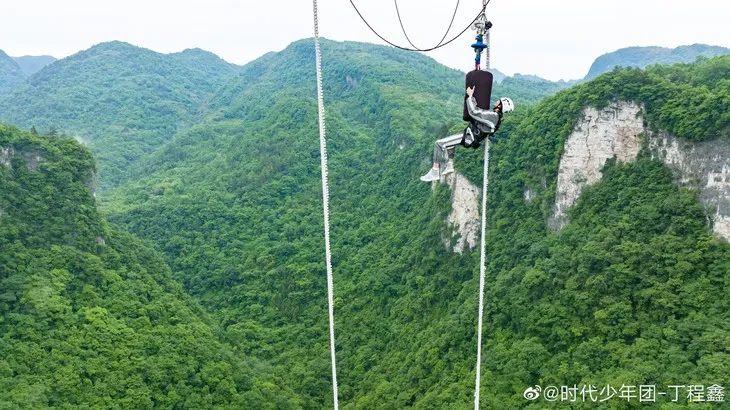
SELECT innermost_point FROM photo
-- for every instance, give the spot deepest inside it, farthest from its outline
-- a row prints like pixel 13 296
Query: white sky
pixel 553 39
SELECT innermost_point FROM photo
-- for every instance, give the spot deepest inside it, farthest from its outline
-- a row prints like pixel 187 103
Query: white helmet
pixel 507 105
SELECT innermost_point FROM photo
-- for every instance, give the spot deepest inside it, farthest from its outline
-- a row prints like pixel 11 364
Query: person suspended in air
pixel 483 123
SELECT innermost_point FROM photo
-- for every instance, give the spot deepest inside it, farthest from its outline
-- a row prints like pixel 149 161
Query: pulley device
pixel 481 26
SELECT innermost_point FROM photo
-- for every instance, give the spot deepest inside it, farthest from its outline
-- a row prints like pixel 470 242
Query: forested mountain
pixel 32 64
pixel 11 75
pixel 237 202
pixel 123 101
pixel 631 290
pixel 644 56
pixel 90 316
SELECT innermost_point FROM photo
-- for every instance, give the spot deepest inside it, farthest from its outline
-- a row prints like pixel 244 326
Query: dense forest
pixel 206 288
pixel 89 315
pixel 405 306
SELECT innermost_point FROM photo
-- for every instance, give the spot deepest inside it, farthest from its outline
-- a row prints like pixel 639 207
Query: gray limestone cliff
pixel 599 136
pixel 619 132
pixel 31 158
pixel 464 215
pixel 704 166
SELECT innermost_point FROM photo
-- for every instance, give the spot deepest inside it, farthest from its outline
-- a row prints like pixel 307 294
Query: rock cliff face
pixel 615 132
pixel 601 135
pixel 464 216
pixel 618 131
pixel 32 159
pixel 704 166
pixel 5 156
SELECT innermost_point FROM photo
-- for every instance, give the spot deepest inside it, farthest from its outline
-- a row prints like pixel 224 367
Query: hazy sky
pixel 554 39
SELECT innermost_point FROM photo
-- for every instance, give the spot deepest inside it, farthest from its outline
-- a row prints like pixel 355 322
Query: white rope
pixel 483 257
pixel 482 273
pixel 325 203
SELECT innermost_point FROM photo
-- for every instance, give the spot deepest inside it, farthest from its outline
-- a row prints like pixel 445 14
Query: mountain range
pixel 15 70
pixel 125 102
pixel 194 278
pixel 644 56
pixel 121 100
pixel 32 64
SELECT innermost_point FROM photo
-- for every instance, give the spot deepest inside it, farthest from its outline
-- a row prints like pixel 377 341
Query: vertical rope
pixel 483 256
pixel 325 203
pixel 482 274
pixel 488 54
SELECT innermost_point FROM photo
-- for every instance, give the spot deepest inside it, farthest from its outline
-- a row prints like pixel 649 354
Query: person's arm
pixel 486 117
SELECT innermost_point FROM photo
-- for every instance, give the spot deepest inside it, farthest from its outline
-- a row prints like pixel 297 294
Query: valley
pixel 161 245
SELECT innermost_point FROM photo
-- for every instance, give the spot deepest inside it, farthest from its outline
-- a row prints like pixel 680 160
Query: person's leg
pixel 435 172
pixel 447 148
pixel 450 142
pixel 443 154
